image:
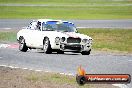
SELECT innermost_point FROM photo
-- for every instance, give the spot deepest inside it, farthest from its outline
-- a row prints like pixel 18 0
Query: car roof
pixel 46 20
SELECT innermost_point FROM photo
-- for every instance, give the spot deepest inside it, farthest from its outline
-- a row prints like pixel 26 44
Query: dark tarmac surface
pixel 95 63
pixel 19 23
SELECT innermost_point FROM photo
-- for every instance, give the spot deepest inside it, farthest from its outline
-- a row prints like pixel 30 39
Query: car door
pixel 37 36
pixel 30 34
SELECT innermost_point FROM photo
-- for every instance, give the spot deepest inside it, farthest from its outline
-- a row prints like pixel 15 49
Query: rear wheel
pixel 86 52
pixel 46 46
pixel 22 45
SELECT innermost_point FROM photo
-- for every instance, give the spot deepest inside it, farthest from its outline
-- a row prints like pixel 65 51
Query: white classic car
pixel 53 36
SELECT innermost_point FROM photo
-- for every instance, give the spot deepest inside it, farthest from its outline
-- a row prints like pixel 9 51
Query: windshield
pixel 57 26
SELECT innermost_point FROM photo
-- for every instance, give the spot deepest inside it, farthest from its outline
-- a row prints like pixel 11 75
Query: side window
pixel 29 26
pixel 43 26
pixel 38 26
pixel 32 25
pixel 49 26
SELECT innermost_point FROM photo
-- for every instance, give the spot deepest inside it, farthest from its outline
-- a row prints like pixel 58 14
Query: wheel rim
pixel 46 44
pixel 21 44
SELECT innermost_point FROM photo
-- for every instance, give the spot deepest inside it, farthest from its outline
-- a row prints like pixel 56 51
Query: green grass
pixel 61 80
pixel 8 36
pixel 78 9
pixel 110 39
pixel 54 78
pixel 64 1
pixel 64 12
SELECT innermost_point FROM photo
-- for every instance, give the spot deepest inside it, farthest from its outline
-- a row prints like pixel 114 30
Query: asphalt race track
pixel 97 62
pixel 19 23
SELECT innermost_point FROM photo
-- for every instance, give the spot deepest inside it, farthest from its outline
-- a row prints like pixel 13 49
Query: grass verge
pixel 68 9
pixel 64 12
pixel 8 35
pixel 18 78
pixel 66 1
pixel 110 39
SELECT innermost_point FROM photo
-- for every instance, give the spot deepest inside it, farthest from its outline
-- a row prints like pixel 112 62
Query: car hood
pixel 67 34
pixel 77 35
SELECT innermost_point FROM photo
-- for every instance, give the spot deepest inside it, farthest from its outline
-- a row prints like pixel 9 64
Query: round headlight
pixel 57 40
pixel 85 41
pixel 90 40
pixel 62 39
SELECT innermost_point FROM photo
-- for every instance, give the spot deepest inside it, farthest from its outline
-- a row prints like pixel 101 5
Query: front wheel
pixel 46 46
pixel 86 52
pixel 22 45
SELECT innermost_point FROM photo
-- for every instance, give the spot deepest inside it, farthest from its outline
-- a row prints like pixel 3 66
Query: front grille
pixel 73 47
pixel 73 40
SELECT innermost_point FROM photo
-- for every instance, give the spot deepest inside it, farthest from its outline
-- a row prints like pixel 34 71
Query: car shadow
pixel 71 53
pixel 66 53
pixel 55 53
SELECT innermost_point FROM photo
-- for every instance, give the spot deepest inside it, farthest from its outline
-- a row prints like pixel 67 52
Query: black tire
pixel 86 52
pixel 46 46
pixel 60 52
pixel 22 45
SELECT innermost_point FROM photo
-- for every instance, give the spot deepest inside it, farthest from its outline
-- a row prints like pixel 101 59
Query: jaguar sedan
pixel 53 36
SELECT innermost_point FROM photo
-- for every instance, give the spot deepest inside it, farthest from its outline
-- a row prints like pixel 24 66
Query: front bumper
pixel 75 47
